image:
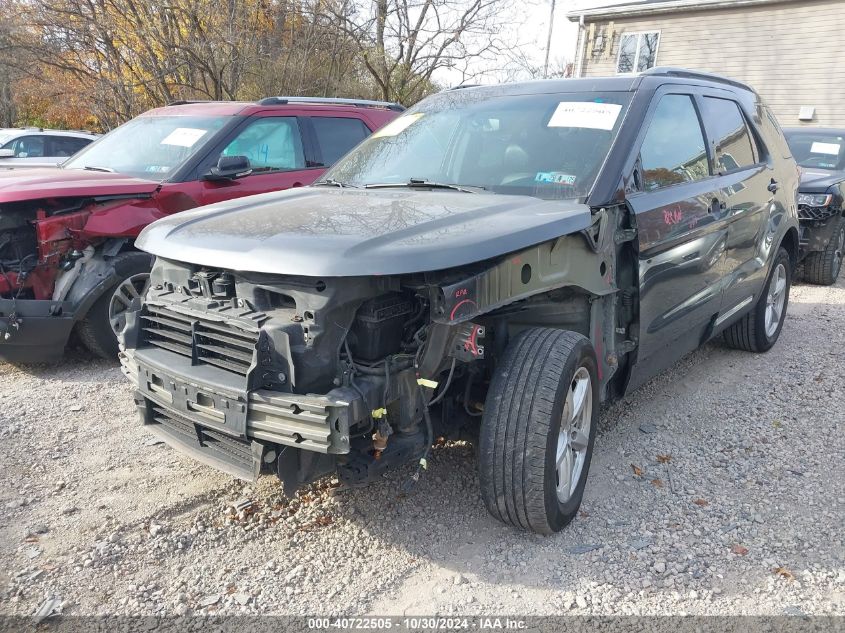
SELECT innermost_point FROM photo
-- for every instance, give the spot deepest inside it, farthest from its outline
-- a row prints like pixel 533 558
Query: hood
pixel 818 180
pixel 344 232
pixel 17 185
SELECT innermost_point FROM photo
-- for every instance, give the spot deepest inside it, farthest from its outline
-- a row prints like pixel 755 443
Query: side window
pixel 270 144
pixel 734 148
pixel 673 150
pixel 64 146
pixel 27 147
pixel 336 136
pixel 637 52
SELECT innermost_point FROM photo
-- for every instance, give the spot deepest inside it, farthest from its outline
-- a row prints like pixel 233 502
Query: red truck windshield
pixel 150 147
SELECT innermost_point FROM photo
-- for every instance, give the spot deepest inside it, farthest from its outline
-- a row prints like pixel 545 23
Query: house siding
pixel 790 52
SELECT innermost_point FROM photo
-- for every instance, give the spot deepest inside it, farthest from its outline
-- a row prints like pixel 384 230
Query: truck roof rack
pixel 359 103
pixel 672 71
pixel 188 101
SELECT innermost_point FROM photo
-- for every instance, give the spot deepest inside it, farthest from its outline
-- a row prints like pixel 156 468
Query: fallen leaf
pixel 784 572
pixel 664 459
pixel 701 502
pixel 819 378
pixel 638 472
pixel 776 424
pixel 739 550
pixel 584 514
pixel 657 483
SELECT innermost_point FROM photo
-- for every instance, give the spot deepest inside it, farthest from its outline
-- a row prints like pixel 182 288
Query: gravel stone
pixel 737 428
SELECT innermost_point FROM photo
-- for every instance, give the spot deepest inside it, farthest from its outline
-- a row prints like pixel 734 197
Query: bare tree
pixel 404 43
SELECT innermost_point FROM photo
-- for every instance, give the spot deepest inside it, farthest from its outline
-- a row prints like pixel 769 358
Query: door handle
pixel 716 206
pixel 773 186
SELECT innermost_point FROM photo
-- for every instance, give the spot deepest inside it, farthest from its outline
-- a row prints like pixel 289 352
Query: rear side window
pixel 336 136
pixel 673 150
pixel 734 148
pixel 65 145
pixel 774 133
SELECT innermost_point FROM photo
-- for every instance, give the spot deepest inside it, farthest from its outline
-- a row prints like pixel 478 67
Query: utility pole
pixel 549 40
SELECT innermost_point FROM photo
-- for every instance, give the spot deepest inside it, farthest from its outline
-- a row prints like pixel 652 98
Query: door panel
pixel 682 256
pixel 743 185
pixel 218 191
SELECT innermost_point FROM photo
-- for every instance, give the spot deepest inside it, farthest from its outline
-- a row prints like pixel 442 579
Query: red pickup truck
pixel 67 256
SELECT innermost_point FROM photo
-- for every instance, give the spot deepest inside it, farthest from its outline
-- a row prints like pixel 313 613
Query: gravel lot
pixel 718 488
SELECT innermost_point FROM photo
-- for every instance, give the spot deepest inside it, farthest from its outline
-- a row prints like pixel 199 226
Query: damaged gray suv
pixel 502 259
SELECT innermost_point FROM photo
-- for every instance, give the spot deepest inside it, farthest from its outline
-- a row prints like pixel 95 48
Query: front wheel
pixel 759 330
pixel 822 268
pixel 538 430
pixel 98 330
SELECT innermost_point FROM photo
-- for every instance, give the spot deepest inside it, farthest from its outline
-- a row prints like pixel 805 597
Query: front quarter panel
pixel 127 218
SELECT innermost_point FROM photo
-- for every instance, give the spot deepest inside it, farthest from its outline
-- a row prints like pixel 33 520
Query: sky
pixel 532 31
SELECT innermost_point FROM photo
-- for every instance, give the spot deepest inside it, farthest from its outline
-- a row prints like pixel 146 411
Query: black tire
pixel 521 424
pixel 749 333
pixel 822 267
pixel 95 330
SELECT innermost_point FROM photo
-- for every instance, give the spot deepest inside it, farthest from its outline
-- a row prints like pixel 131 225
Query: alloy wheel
pixel 574 437
pixel 775 300
pixel 126 292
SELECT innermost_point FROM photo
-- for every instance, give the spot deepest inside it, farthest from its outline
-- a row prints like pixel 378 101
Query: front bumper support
pixel 34 331
pixel 205 412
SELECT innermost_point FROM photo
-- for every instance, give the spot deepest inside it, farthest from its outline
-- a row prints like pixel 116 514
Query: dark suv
pixel 820 153
pixel 67 254
pixel 501 259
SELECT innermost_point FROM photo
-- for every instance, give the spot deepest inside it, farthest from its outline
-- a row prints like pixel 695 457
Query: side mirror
pixel 229 168
pixel 7 153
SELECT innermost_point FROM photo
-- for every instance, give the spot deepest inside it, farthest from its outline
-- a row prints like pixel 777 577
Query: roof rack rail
pixel 179 102
pixel 359 103
pixel 462 86
pixel 672 71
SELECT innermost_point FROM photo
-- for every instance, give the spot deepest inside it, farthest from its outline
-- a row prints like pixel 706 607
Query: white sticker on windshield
pixel 183 137
pixel 825 148
pixel 585 114
pixel 398 125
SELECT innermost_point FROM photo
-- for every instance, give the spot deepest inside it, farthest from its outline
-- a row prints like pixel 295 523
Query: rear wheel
pixel 822 268
pixel 759 330
pixel 538 430
pixel 98 330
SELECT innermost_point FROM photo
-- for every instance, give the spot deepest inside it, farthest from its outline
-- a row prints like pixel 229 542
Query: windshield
pixel 818 149
pixel 151 147
pixel 549 146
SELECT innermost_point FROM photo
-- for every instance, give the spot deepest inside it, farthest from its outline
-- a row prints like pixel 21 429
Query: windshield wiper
pixel 331 182
pixel 93 168
pixel 422 183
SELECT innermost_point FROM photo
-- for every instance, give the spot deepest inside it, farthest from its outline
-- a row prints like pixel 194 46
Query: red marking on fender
pixel 672 216
pixel 458 305
pixel 517 261
pixel 461 292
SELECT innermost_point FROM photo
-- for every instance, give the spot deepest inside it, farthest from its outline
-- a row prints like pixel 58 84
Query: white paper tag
pixel 585 114
pixel 825 148
pixel 183 137
pixel 398 125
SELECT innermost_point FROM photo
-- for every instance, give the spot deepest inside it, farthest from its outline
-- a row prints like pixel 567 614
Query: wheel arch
pixel 101 272
pixel 789 241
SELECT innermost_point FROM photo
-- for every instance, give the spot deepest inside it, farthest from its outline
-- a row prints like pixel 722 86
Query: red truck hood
pixel 17 185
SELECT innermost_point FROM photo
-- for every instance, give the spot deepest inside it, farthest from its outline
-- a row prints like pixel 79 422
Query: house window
pixel 637 52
